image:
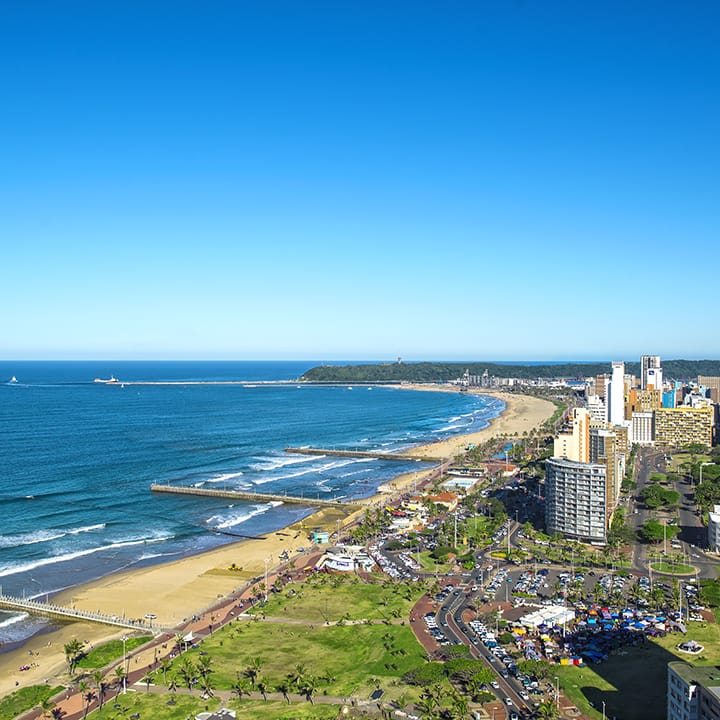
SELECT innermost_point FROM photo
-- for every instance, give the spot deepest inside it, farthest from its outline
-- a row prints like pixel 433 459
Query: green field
pixel 673 568
pixel 330 598
pixel 103 655
pixel 21 700
pixel 156 707
pixel 348 659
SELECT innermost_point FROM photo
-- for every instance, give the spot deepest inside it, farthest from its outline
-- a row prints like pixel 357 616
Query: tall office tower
pixel 650 372
pixel 617 394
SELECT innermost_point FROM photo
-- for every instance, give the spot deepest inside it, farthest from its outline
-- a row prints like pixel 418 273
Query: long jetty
pixel 254 497
pixel 35 607
pixel 361 454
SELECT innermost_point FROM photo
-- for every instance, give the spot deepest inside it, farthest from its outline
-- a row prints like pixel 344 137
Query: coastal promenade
pixel 253 497
pixel 36 607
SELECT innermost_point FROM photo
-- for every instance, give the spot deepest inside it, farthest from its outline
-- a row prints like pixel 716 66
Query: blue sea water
pixel 77 459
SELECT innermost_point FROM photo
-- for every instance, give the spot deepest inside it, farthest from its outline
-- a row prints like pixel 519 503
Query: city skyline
pixel 359 182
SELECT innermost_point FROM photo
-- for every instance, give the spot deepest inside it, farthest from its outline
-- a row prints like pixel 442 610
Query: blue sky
pixel 460 180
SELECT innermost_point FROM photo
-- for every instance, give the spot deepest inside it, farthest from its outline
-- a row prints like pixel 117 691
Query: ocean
pixel 77 459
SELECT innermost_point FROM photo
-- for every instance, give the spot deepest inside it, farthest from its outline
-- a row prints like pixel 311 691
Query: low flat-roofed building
pixel 714 529
pixel 693 692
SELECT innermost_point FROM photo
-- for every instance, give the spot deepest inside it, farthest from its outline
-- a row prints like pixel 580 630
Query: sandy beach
pixel 177 590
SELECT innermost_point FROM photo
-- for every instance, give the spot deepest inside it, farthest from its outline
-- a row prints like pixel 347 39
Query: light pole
pixel 702 465
pixel 603 714
pixel 124 677
pixel 557 691
pixel 267 562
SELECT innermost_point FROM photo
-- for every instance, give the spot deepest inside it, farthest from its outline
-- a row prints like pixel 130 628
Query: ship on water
pixel 111 379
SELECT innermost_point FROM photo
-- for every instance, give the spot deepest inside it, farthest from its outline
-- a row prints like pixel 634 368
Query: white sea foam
pixel 273 463
pixel 223 522
pixel 24 567
pixel 306 471
pixel 41 536
pixel 14 619
pixel 223 478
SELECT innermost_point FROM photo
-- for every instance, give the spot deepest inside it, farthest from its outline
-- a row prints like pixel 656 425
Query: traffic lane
pixel 454 608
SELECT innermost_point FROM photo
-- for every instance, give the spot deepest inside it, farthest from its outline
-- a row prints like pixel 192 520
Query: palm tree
pixel 148 680
pixel 262 687
pixel 203 666
pixel 165 665
pixel 47 706
pixel 284 687
pixel 253 670
pixel 240 688
pixel 297 675
pixel 73 652
pixel 187 673
pixel 99 680
pixel 307 687
pixel 87 694
pixel 119 678
pixel 548 710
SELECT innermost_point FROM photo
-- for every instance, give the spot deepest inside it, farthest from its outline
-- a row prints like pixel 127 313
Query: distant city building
pixel 644 400
pixel 712 384
pixel 693 692
pixel 677 427
pixel 650 372
pixel 669 399
pixel 642 428
pixel 714 529
pixel 616 406
pixel 575 499
pixel 596 409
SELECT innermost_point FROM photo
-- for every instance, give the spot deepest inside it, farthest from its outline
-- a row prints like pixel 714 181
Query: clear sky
pixel 436 180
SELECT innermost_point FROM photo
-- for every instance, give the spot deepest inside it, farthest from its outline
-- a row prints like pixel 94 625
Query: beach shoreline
pixel 176 591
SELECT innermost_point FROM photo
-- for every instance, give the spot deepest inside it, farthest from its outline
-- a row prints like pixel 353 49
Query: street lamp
pixel 124 677
pixel 557 691
pixel 267 562
pixel 603 714
pixel 702 465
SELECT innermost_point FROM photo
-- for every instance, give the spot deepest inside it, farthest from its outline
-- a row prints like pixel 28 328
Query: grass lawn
pixel 623 680
pixel 103 654
pixel 670 568
pixel 333 597
pixel 350 658
pixel 21 700
pixel 430 564
pixel 155 707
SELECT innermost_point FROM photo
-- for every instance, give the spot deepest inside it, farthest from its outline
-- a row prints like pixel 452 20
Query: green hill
pixel 442 372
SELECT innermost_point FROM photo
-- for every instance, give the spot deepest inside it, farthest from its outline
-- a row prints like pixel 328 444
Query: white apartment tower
pixel 616 406
pixel 650 372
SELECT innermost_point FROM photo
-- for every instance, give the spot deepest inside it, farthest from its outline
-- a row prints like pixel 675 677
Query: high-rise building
pixel 617 394
pixel 609 446
pixel 714 529
pixel 680 426
pixel 575 499
pixel 650 372
pixel 573 444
